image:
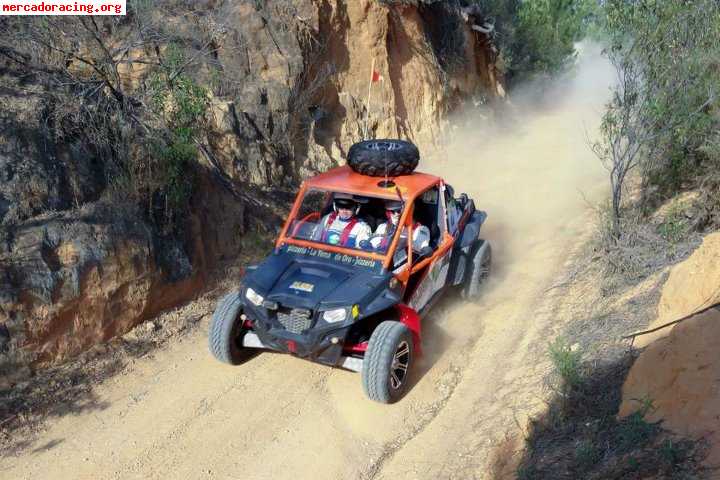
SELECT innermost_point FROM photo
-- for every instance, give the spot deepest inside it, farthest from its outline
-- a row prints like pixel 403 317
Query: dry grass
pixel 649 241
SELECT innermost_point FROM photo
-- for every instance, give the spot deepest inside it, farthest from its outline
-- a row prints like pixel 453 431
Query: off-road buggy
pixel 357 307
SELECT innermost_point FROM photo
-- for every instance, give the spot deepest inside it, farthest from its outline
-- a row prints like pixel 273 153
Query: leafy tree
pixel 547 31
pixel 536 37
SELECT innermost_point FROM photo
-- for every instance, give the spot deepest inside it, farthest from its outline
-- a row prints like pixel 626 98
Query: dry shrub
pixel 648 242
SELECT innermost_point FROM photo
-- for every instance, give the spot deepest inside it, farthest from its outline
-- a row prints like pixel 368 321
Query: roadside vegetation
pixel 536 38
pixel 145 136
pixel 660 139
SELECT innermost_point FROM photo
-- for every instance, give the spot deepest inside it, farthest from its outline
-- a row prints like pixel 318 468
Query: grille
pixel 295 320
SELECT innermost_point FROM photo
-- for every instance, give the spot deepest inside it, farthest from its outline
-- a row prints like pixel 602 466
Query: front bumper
pixel 251 340
pixel 318 343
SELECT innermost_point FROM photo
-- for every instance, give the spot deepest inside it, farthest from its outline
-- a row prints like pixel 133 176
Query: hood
pixel 296 281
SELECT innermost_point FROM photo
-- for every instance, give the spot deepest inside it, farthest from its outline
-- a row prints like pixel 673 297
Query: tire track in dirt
pixel 391 448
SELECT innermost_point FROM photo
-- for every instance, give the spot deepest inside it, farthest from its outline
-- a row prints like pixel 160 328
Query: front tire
pixel 479 270
pixel 226 331
pixel 387 363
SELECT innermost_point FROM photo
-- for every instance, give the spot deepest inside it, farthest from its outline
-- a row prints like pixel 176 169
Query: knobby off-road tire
pixel 478 271
pixel 226 331
pixel 387 363
pixel 379 158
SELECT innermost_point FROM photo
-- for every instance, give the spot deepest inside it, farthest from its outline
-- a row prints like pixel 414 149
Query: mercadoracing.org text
pixel 62 7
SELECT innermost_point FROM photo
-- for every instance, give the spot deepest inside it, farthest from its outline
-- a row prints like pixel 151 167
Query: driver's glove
pixel 365 245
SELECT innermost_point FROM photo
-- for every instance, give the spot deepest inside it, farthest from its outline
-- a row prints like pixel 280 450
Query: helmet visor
pixel 345 203
pixel 393 206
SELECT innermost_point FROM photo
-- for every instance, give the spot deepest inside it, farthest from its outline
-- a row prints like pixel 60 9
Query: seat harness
pixel 345 233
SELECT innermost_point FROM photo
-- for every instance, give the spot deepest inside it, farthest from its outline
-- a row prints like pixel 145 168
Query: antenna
pixel 386 183
pixel 397 190
pixel 386 169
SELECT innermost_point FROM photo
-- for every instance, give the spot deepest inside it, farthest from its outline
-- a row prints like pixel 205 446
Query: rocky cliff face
pixel 300 84
pixel 288 95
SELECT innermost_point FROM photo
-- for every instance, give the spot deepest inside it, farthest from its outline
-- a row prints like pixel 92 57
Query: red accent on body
pixel 411 319
pixel 463 220
pixel 292 346
pixel 248 324
pixel 345 233
pixel 376 77
pixel 355 348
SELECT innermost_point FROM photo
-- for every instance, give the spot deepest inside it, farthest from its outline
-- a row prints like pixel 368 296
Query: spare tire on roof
pixel 379 158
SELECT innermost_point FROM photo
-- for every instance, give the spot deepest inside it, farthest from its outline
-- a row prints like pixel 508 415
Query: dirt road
pixel 181 414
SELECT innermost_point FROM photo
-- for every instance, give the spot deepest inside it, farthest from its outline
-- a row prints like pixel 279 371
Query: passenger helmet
pixel 393 205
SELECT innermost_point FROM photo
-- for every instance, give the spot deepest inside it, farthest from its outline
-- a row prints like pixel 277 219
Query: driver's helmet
pixel 341 200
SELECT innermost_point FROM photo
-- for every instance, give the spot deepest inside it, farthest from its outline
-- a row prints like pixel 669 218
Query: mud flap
pixel 411 320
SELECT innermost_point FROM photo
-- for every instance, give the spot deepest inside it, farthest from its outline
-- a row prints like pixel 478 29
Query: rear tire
pixel 379 158
pixel 226 331
pixel 479 270
pixel 387 362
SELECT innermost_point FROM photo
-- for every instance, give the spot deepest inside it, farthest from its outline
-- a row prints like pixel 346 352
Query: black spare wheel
pixel 380 158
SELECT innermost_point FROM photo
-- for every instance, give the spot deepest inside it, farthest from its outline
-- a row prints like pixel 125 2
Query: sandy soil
pixel 178 413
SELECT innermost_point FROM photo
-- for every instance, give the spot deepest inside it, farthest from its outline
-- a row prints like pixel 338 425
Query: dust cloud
pixel 531 169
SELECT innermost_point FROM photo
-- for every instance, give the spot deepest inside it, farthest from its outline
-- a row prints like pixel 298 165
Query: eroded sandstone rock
pixel 678 374
pixel 692 286
pixel 77 279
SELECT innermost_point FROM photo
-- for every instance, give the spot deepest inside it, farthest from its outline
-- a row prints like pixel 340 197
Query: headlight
pixel 335 315
pixel 254 297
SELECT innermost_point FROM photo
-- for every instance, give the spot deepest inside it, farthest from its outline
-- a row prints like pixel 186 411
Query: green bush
pixel 674 226
pixel 566 361
pixel 634 431
pixel 180 103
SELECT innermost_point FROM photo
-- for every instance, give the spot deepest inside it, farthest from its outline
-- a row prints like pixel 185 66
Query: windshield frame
pixel 386 257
